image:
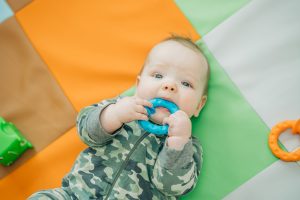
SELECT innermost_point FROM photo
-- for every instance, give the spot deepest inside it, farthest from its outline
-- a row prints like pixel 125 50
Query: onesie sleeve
pixel 89 127
pixel 176 171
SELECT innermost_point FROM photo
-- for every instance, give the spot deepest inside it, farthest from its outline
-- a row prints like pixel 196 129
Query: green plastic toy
pixel 12 143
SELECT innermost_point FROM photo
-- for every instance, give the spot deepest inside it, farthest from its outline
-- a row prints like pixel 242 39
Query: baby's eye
pixel 186 84
pixel 157 75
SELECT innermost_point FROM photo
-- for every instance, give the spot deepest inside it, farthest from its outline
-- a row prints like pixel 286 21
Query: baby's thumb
pixel 166 120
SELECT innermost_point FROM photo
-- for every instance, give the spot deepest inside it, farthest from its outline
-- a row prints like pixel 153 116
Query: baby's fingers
pixel 141 109
pixel 143 102
pixel 139 116
pixel 167 120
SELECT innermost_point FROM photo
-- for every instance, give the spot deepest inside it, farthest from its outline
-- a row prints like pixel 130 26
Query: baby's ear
pixel 137 80
pixel 200 105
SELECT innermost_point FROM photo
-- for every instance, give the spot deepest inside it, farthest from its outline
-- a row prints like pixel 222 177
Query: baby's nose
pixel 171 87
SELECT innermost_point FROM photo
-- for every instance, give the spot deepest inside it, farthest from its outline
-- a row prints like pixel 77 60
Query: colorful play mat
pixel 58 56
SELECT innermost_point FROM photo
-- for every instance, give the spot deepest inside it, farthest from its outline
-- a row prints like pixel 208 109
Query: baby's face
pixel 174 72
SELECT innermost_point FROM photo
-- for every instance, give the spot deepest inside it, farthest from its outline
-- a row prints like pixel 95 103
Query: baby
pixel 125 162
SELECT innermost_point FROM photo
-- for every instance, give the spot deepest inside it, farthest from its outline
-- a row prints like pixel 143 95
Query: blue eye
pixel 157 75
pixel 186 84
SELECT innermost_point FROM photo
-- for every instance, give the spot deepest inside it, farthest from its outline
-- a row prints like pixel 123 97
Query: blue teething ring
pixel 154 128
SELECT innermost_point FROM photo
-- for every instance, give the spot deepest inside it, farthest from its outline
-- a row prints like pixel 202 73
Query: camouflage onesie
pixel 128 164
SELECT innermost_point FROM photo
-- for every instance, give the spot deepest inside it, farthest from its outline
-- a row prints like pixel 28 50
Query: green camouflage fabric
pixel 128 164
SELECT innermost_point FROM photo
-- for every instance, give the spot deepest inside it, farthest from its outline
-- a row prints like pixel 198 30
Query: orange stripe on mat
pixel 96 49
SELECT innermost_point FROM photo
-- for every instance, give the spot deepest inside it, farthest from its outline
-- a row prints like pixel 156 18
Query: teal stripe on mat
pixel 204 15
pixel 5 11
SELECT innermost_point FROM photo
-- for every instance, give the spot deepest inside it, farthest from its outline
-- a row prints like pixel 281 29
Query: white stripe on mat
pixel 259 48
pixel 277 182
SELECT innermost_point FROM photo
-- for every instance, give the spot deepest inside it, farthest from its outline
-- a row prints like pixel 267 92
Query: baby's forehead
pixel 164 47
pixel 176 50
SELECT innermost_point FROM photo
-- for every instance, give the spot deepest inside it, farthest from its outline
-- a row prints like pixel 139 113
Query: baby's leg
pixel 53 194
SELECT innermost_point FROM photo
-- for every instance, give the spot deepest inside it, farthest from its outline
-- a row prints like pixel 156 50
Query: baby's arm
pixel 176 171
pixel 178 164
pixel 88 126
pixel 99 123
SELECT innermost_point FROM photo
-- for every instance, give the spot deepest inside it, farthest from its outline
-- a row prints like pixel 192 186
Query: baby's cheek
pixel 189 107
pixel 186 107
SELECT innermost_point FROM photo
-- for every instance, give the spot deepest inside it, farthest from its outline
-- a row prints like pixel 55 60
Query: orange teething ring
pixel 273 138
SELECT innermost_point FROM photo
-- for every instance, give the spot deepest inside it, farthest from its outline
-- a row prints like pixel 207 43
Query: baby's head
pixel 176 70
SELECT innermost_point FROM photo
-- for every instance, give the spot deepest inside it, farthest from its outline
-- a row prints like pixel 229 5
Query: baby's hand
pixel 180 129
pixel 132 108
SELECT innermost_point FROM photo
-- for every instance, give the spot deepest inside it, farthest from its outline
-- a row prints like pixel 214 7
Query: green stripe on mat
pixel 204 15
pixel 233 136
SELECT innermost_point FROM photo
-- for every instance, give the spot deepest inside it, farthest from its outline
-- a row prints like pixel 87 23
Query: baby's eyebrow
pixel 192 76
pixel 158 65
